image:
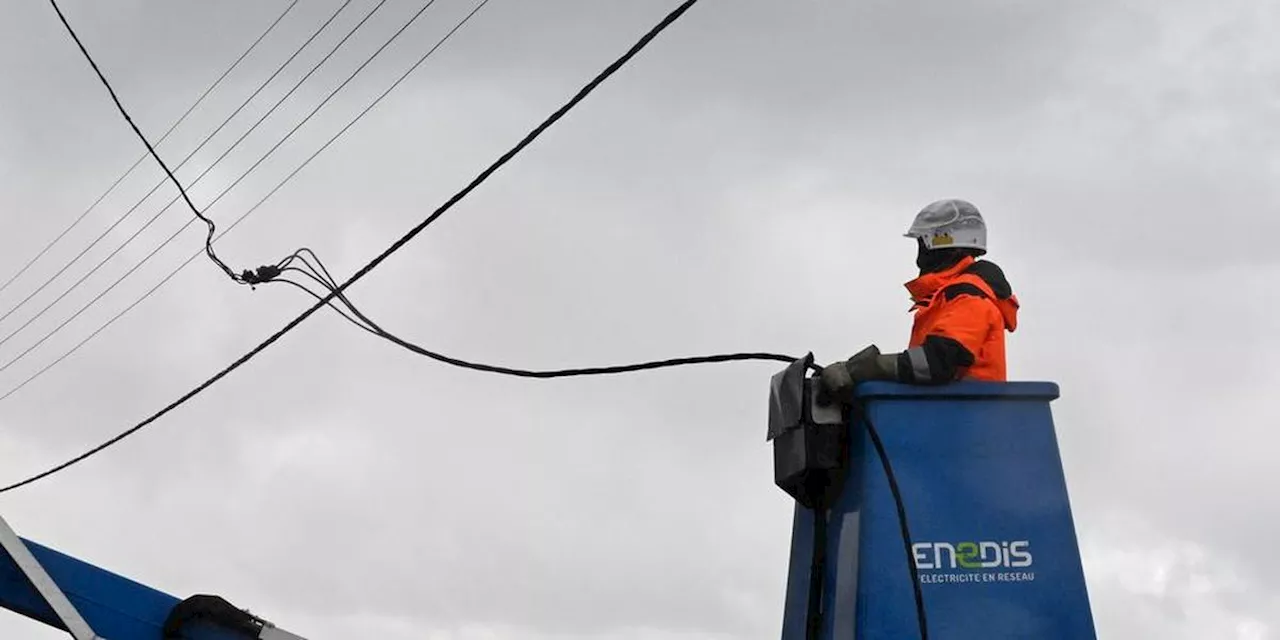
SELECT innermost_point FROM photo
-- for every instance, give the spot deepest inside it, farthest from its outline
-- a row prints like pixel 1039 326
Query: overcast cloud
pixel 743 185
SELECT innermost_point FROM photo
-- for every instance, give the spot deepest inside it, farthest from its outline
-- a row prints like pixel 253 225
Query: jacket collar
pixel 923 288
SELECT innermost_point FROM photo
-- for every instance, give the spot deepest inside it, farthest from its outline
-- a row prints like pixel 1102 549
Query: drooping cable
pixel 163 181
pixel 546 374
pixel 144 155
pixel 817 575
pixel 150 149
pixel 396 246
pixel 323 285
pixel 262 201
pixel 248 277
pixel 325 280
pixel 192 154
pixel 900 506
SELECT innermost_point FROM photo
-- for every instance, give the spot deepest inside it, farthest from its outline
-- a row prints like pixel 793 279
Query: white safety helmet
pixel 950 224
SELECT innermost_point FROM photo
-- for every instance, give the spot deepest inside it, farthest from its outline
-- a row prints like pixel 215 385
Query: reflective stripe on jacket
pixel 961 316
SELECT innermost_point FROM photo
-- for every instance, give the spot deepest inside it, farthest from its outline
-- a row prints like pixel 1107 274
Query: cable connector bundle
pixel 265 273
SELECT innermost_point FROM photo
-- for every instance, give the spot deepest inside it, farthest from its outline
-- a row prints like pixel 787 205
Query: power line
pixel 921 619
pixel 425 56
pixel 302 47
pixel 192 153
pixel 396 246
pixel 345 314
pixel 224 192
pixel 154 218
pixel 143 157
pixel 543 374
pixel 255 277
pixel 320 275
pixel 92 301
pixel 208 244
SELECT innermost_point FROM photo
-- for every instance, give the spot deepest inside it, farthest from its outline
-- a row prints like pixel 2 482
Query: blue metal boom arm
pixel 96 603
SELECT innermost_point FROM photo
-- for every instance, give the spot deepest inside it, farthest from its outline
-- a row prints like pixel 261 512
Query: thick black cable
pixel 320 275
pixel 314 269
pixel 262 201
pixel 345 314
pixel 124 216
pixel 905 529
pixel 144 155
pixel 114 98
pixel 200 146
pixel 207 139
pixel 565 373
pixel 480 179
pixel 244 278
pixel 817 574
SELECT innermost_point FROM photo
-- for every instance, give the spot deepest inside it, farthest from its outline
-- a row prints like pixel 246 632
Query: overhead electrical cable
pixel 345 314
pixel 544 374
pixel 320 275
pixel 145 155
pixel 247 277
pixel 224 192
pixel 143 138
pixel 208 169
pixel 162 182
pixel 280 185
pixel 396 246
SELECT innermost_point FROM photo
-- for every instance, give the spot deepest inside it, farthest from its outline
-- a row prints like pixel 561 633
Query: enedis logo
pixel 972 555
pixel 970 562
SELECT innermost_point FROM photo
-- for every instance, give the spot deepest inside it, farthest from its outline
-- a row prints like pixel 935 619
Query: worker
pixel 963 306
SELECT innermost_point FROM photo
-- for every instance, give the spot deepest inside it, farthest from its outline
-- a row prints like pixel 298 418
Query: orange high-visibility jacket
pixel 961 316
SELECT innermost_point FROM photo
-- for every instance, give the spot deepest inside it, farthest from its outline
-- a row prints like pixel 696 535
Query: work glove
pixel 837 380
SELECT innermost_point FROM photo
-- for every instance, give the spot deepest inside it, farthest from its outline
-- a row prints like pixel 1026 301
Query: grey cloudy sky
pixel 743 185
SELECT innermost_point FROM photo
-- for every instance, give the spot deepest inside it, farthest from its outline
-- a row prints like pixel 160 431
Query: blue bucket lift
pixel 92 603
pixel 992 545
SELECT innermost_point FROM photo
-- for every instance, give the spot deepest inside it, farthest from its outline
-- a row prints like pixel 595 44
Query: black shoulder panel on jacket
pixel 963 288
pixel 993 276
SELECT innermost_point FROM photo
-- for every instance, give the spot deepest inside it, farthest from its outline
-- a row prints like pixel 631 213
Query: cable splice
pixel 265 273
